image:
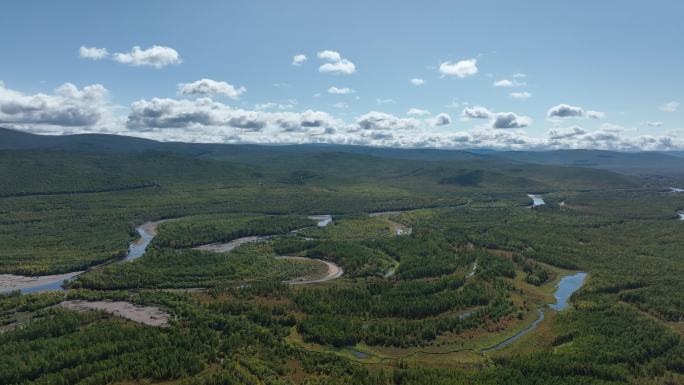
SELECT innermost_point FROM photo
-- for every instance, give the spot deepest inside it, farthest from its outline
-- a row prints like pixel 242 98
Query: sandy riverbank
pixel 334 271
pixel 230 246
pixel 9 282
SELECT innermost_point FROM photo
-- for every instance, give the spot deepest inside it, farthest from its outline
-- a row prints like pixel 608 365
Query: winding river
pixel 26 285
pixel 566 287
pixel 147 232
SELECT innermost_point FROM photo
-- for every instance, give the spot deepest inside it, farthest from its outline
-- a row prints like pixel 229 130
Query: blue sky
pixel 611 71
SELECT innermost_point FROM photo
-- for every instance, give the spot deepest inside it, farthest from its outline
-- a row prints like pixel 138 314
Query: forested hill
pixel 624 162
pixel 49 171
pixel 642 162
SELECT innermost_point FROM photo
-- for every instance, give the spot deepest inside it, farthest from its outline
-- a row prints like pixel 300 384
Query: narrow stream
pixel 567 285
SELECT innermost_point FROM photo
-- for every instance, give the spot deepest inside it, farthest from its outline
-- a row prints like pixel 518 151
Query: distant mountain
pixel 17 140
pixel 624 162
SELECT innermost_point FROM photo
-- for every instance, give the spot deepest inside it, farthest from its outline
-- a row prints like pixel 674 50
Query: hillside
pixel 628 162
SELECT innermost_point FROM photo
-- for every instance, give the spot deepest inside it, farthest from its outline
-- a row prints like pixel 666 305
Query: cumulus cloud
pixel 375 120
pixel 340 91
pixel 206 115
pixel 417 81
pixel 564 133
pixel 520 95
pixel 596 114
pixel 156 56
pixel 67 107
pixel 565 111
pixel 654 124
pixel 332 56
pixel 461 69
pixel 476 112
pixel 442 120
pixel 505 120
pixel 92 53
pixel 336 64
pixel 298 60
pixel 208 87
pixel 417 112
pixel 669 107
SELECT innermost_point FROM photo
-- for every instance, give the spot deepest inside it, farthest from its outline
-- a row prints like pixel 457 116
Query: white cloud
pixel 375 120
pixel 442 120
pixel 298 60
pixel 565 111
pixel 340 91
pixel 273 106
pixel 385 101
pixel 669 107
pixel 417 81
pixel 328 55
pixel 340 105
pixel 505 120
pixel 654 124
pixel 508 83
pixel 596 114
pixel 519 75
pixel 335 63
pixel 63 111
pixel 503 83
pixel 564 133
pixel 520 95
pixel 70 110
pixel 461 69
pixel 204 116
pixel 208 87
pixel 92 53
pixel 156 56
pixel 417 112
pixel 476 112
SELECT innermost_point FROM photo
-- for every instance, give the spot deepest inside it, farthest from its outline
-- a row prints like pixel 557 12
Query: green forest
pixel 452 263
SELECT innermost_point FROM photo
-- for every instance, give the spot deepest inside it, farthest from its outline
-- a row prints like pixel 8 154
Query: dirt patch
pixel 10 282
pixel 230 246
pixel 148 315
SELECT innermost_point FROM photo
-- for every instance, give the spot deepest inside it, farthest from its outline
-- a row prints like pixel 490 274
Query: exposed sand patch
pixel 9 282
pixel 230 246
pixel 334 271
pixel 148 315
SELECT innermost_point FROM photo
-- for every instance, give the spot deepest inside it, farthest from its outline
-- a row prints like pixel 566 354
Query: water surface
pixel 323 220
pixel 136 249
pixel 537 200
pixel 564 290
pixel 566 287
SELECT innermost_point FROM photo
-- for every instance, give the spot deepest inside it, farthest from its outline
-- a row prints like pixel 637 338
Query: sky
pixel 537 75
